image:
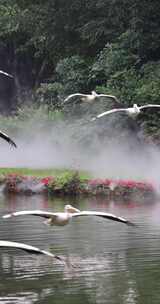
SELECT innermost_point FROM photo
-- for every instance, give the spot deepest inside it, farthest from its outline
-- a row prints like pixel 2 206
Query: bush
pixel 50 94
pixel 113 58
pixel 67 183
pixel 72 73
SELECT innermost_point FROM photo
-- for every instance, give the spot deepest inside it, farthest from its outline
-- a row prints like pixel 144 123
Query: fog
pixel 79 145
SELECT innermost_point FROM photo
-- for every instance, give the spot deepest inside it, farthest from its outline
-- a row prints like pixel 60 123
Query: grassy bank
pixel 42 172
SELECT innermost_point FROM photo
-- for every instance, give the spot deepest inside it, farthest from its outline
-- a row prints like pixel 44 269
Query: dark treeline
pixel 57 47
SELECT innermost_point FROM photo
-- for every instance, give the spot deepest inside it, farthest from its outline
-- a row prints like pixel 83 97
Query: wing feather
pixel 73 95
pixel 8 139
pixel 108 112
pixel 105 215
pixel 6 74
pixel 110 96
pixel 149 106
pixel 39 213
pixel 27 248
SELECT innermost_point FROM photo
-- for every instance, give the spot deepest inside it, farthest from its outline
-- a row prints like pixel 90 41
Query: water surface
pixel 113 263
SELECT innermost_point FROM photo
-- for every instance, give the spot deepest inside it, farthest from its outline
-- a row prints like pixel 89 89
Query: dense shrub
pixel 67 183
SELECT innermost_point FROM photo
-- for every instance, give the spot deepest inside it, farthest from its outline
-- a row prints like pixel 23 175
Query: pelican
pixel 8 139
pixel 90 97
pixel 63 218
pixel 132 112
pixel 28 248
pixel 6 74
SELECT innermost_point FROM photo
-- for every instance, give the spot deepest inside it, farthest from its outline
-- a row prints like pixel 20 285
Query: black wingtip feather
pixel 131 224
pixel 12 143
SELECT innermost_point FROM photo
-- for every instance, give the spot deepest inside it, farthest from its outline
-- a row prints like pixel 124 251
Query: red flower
pixel 47 180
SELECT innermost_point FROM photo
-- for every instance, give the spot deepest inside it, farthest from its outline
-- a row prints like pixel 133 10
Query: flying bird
pixel 28 248
pixel 8 139
pixel 63 218
pixel 6 74
pixel 90 97
pixel 132 112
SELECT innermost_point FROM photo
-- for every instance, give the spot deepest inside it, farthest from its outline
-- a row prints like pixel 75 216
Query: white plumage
pixel 6 74
pixel 132 111
pixel 90 97
pixel 27 248
pixel 63 218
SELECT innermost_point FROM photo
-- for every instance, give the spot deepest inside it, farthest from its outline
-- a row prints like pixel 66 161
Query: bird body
pixel 63 218
pixel 132 111
pixel 83 97
pixel 90 97
pixel 59 219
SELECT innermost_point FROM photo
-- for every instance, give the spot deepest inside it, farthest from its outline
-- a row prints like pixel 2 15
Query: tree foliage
pixel 57 47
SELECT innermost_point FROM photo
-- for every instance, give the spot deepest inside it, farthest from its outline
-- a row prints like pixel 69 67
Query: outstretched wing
pixel 40 213
pixel 110 96
pixel 149 106
pixel 8 139
pixel 105 215
pixel 6 74
pixel 73 95
pixel 28 248
pixel 108 112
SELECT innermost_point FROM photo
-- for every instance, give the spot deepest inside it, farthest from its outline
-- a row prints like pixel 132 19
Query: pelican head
pixel 70 209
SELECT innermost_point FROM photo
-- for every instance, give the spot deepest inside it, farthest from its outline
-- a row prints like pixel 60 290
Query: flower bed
pixel 72 184
pixel 119 188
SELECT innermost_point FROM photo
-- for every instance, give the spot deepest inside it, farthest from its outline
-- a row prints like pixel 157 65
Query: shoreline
pixel 73 184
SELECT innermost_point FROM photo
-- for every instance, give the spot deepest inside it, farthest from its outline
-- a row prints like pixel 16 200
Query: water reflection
pixel 113 263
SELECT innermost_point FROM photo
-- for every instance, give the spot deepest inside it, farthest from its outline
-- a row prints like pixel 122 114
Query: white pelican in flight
pixel 28 248
pixel 90 97
pixel 63 218
pixel 8 139
pixel 6 74
pixel 132 112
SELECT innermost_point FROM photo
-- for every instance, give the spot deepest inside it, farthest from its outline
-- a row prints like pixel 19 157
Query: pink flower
pixel 47 180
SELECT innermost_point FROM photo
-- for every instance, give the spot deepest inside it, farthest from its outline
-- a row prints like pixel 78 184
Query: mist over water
pixel 102 149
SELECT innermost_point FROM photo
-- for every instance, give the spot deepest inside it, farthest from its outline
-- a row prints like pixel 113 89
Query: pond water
pixel 113 263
